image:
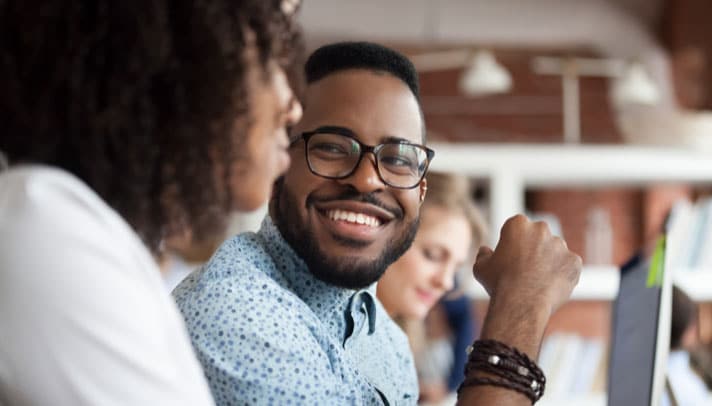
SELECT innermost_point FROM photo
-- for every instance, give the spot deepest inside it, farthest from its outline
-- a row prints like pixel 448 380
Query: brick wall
pixel 532 113
pixel 572 206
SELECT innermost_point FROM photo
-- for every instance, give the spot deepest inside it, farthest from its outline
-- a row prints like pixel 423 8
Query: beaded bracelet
pixel 508 368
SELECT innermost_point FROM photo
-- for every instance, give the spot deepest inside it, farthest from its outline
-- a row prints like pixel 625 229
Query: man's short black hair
pixel 342 56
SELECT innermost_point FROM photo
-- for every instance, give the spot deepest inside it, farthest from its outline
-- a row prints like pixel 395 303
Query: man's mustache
pixel 355 196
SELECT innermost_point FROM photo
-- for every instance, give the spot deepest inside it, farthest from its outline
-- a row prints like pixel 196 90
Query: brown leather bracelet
pixel 494 363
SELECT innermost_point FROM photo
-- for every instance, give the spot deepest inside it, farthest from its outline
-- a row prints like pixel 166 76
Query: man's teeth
pixel 352 217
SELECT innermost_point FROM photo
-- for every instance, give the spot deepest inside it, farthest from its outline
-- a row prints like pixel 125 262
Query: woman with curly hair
pixel 125 124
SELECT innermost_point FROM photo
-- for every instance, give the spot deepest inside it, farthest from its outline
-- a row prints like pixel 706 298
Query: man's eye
pixel 329 148
pixel 399 165
pixel 397 160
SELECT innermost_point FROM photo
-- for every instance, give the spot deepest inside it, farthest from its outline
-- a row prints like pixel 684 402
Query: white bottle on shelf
pixel 599 237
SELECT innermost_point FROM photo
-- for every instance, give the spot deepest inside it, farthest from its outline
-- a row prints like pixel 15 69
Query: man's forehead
pixel 357 82
pixel 364 101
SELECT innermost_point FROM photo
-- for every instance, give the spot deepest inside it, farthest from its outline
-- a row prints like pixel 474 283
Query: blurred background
pixel 594 115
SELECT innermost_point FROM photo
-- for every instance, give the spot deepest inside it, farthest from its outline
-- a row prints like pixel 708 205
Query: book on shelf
pixel 572 365
pixel 590 361
pixel 691 227
pixel 703 254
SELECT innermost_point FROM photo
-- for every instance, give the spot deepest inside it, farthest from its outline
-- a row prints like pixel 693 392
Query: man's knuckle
pixel 541 229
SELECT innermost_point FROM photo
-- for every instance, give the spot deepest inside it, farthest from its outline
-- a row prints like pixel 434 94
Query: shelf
pixel 585 400
pixel 557 165
pixel 596 283
pixel 697 283
pixel 511 168
pixel 601 283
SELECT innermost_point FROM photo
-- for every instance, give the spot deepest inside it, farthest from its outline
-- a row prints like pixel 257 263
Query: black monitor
pixel 640 338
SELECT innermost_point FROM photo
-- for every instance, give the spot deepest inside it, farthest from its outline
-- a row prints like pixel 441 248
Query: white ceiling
pixel 615 27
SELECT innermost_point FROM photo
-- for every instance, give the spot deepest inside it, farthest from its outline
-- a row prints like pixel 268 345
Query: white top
pixel 84 317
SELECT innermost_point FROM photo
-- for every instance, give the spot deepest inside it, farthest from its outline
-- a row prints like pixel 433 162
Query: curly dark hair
pixel 139 99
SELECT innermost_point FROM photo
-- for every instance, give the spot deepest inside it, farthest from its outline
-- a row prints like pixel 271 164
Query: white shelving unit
pixel 512 168
pixel 596 283
pixel 587 400
pixel 601 283
pixel 697 283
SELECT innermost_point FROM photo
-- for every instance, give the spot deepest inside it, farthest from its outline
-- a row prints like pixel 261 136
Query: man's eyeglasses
pixel 399 164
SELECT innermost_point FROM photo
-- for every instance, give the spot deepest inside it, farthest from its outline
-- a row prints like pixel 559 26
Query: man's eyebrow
pixel 396 140
pixel 335 129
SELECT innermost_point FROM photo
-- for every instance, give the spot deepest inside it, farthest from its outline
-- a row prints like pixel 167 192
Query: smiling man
pixel 288 315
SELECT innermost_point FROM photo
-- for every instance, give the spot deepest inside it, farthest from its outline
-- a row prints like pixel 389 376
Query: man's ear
pixel 423 189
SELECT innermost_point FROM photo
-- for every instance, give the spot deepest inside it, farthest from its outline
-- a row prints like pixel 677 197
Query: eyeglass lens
pixel 336 156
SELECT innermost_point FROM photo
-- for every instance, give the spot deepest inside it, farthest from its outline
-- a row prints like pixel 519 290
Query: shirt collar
pixel 340 308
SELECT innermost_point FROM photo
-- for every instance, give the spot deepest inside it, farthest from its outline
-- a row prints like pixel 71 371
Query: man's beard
pixel 346 272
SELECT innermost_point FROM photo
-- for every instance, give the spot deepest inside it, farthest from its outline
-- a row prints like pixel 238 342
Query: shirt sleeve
pixel 257 348
pixel 84 322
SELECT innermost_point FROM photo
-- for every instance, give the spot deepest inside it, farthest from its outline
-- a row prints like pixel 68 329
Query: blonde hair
pixel 453 193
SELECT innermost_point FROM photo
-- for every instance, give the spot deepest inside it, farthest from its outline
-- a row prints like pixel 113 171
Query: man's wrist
pixel 517 322
pixel 494 363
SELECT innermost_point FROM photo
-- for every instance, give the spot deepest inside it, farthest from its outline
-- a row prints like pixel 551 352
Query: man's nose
pixel 366 178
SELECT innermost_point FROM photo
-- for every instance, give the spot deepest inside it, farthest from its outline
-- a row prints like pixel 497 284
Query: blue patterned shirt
pixel 268 332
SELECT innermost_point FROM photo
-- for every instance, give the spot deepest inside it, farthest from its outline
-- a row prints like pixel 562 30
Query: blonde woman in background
pixel 451 228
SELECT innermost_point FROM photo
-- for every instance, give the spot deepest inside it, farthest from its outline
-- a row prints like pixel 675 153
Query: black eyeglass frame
pixel 365 149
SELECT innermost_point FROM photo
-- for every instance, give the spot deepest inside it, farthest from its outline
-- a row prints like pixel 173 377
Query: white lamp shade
pixel 635 87
pixel 485 76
